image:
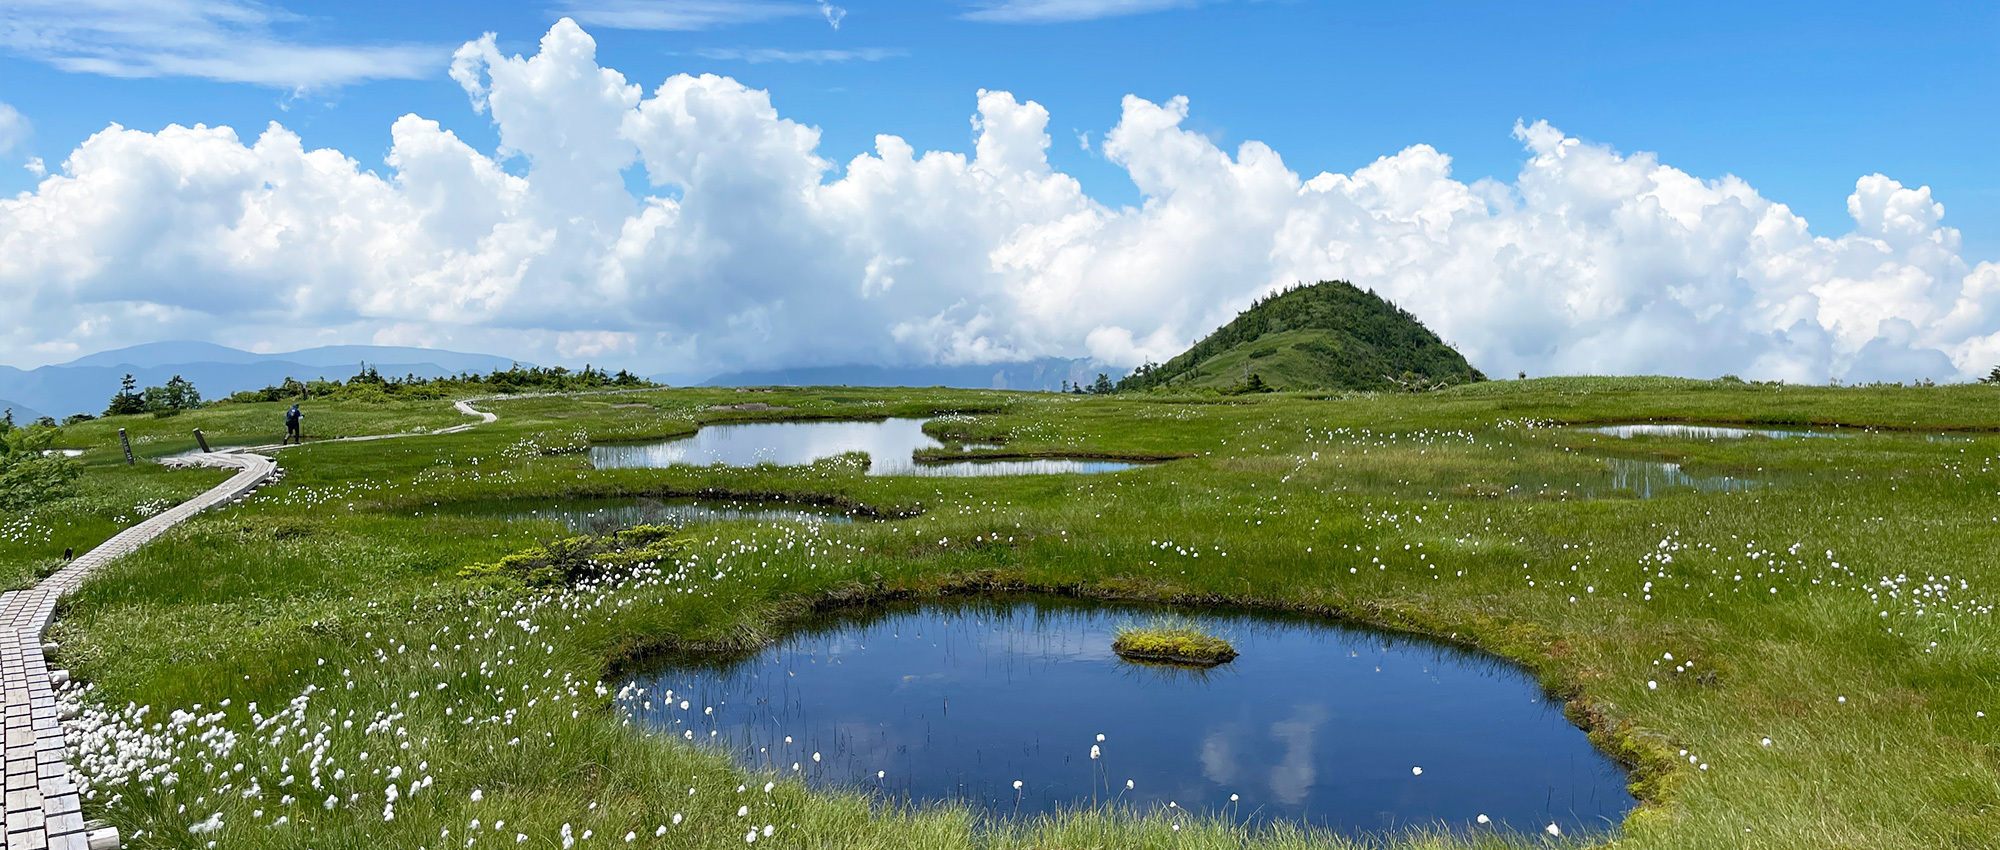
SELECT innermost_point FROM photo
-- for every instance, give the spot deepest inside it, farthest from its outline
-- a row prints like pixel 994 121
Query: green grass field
pixel 309 670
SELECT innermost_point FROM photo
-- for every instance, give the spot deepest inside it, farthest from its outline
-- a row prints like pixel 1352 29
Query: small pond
pixel 601 515
pixel 1314 723
pixel 1709 432
pixel 1622 478
pixel 891 445
pixel 1647 478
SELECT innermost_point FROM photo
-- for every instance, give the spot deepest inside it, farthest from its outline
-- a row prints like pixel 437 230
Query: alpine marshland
pixel 1457 612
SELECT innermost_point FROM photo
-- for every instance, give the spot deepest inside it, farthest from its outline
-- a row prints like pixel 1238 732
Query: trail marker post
pixel 127 443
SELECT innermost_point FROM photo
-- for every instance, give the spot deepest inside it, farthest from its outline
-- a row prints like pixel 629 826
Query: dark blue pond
pixel 1313 723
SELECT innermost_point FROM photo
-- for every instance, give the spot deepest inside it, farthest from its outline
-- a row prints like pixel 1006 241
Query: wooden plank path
pixel 44 807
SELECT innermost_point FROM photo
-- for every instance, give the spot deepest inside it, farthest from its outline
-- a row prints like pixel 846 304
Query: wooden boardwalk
pixel 43 806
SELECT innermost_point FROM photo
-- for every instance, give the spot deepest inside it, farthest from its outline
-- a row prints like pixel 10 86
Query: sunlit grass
pixel 1843 613
pixel 1171 639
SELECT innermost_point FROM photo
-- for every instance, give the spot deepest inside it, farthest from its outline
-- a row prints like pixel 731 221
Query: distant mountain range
pixel 85 384
pixel 1047 373
pixel 23 414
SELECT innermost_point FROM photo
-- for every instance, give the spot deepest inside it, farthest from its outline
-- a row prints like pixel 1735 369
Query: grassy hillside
pixel 1329 335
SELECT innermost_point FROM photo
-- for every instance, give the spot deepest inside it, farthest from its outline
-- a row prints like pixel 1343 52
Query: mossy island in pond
pixel 1172 640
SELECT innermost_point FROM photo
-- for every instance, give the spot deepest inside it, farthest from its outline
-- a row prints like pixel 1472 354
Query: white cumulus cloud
pixel 748 254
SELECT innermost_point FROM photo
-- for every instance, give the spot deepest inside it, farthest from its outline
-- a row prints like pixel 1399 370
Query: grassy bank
pixel 331 617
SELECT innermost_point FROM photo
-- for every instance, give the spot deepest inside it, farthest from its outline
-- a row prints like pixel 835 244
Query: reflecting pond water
pixel 1708 432
pixel 1314 723
pixel 890 444
pixel 1621 477
pixel 1646 478
pixel 601 515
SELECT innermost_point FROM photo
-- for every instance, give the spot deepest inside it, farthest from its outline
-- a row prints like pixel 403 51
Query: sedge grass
pixel 1815 614
pixel 1171 639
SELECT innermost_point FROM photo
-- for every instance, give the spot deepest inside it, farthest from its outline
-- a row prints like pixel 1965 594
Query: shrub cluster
pixel 29 474
pixel 569 561
pixel 177 395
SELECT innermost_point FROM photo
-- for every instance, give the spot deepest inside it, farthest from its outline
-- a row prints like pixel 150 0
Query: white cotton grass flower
pixel 478 795
pixel 1552 829
pixel 1017 784
pixel 1128 784
pixel 1095 752
pixel 742 811
pixel 1483 820
pixel 1416 771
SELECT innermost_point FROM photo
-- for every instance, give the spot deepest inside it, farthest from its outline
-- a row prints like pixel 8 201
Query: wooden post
pixel 127 443
pixel 198 438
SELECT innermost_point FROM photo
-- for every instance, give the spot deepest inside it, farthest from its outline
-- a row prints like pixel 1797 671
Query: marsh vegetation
pixel 1806 663
pixel 1171 639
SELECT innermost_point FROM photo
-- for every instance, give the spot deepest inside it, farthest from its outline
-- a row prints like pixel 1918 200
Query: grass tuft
pixel 1172 639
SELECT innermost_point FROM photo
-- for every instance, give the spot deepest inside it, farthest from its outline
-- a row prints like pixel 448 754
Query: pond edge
pixel 1652 769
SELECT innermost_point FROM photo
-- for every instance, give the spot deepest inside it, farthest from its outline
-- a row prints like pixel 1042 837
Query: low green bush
pixel 28 474
pixel 570 560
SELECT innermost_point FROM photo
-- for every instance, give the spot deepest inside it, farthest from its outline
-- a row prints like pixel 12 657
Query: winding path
pixel 44 809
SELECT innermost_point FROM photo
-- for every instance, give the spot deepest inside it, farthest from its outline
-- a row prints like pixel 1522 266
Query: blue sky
pixel 1798 100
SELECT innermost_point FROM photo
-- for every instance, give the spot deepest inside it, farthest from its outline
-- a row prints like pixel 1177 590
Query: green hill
pixel 1330 335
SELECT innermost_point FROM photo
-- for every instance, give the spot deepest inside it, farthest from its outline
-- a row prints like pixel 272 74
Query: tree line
pixel 369 384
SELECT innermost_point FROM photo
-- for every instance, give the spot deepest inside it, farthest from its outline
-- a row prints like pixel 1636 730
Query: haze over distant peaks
pixel 156 354
pixel 83 385
pixel 1047 373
